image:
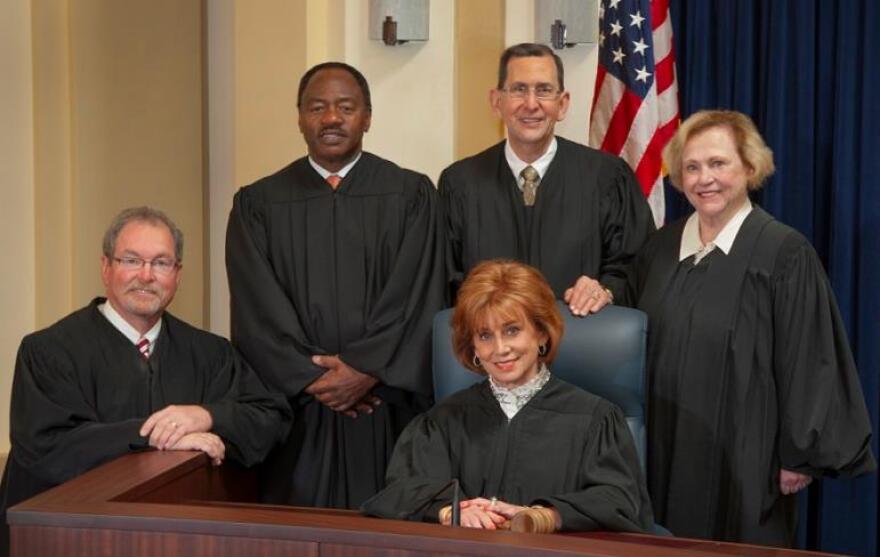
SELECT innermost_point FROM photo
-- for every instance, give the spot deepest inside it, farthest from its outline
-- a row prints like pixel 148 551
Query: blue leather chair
pixel 603 353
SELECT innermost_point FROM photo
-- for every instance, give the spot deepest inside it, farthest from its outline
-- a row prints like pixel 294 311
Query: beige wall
pixel 412 89
pixel 101 109
pixel 479 42
pixel 17 305
pixel 136 130
pixel 52 161
pixel 257 52
pixel 118 122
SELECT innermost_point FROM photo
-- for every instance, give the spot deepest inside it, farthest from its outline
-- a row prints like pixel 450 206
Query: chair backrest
pixel 603 353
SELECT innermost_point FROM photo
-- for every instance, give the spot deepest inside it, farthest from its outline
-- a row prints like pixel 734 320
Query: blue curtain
pixel 808 73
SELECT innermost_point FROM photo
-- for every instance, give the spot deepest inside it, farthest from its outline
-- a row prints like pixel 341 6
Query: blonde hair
pixel 749 144
pixel 508 289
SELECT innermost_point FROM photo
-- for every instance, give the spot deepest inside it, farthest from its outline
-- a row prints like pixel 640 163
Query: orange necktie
pixel 334 180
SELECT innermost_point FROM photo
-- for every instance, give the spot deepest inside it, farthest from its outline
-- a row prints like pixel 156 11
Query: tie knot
pixel 529 174
pixel 334 180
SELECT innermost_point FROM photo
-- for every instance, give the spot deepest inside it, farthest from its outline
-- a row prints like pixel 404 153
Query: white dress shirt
pixel 130 332
pixel 517 164
pixel 342 171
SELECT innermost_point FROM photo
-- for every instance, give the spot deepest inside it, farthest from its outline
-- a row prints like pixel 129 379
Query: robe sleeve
pixel 248 418
pixel 419 469
pixel 824 424
pixel 56 434
pixel 396 345
pixel 265 324
pixel 452 213
pixel 626 224
pixel 614 496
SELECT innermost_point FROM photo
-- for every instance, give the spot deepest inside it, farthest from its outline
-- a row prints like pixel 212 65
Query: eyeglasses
pixel 160 265
pixel 543 92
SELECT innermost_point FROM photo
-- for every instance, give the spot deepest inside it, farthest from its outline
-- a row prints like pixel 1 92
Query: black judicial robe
pixel 565 448
pixel 590 216
pixel 82 391
pixel 749 372
pixel 355 272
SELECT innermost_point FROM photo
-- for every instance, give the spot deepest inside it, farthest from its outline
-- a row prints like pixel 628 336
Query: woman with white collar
pixel 753 389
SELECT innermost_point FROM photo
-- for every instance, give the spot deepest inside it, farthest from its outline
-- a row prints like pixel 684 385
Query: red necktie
pixel 334 180
pixel 143 347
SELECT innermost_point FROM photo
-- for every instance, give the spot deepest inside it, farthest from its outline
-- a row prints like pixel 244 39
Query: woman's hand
pixel 792 482
pixel 503 508
pixel 478 513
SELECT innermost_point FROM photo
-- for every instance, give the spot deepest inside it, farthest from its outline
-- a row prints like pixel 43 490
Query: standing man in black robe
pixel 122 374
pixel 335 273
pixel 575 213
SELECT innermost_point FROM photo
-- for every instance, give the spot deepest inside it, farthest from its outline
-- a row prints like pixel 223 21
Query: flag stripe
pixel 619 126
pixel 635 102
pixel 650 164
pixel 665 70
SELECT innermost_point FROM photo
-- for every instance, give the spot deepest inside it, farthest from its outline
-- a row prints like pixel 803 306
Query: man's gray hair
pixel 141 214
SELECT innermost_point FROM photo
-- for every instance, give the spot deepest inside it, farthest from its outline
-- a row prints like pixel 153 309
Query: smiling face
pixel 333 118
pixel 508 348
pixel 713 175
pixel 140 295
pixel 530 122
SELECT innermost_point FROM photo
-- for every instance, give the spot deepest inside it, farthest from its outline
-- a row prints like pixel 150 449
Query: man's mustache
pixel 142 287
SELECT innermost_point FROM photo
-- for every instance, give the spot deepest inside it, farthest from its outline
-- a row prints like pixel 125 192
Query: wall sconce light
pixel 396 22
pixel 565 23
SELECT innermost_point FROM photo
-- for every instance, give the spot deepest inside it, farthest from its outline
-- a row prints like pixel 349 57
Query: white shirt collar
pixel 690 236
pixel 342 171
pixel 126 329
pixel 541 165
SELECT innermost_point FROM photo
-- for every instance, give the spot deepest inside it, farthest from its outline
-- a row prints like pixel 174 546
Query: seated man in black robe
pixel 575 213
pixel 531 452
pixel 122 374
pixel 335 273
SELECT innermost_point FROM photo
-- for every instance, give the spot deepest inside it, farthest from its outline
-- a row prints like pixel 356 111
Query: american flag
pixel 635 105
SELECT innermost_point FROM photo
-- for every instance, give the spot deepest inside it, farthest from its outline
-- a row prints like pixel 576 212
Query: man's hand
pixel 586 296
pixel 208 443
pixel 167 426
pixel 343 388
pixel 792 482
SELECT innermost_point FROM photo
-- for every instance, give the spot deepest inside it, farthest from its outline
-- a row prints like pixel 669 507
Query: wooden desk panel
pixel 176 504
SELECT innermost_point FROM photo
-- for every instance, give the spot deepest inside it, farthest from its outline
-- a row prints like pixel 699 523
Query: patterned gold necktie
pixel 530 185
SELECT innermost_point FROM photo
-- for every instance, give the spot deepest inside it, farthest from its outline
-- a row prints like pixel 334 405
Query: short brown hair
pixel 512 289
pixel 529 50
pixel 149 215
pixel 749 144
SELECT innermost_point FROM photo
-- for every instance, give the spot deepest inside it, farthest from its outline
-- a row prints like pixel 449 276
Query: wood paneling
pixel 479 42
pixel 105 513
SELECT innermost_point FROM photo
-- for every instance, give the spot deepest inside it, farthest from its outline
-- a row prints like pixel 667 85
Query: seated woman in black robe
pixel 752 386
pixel 528 449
